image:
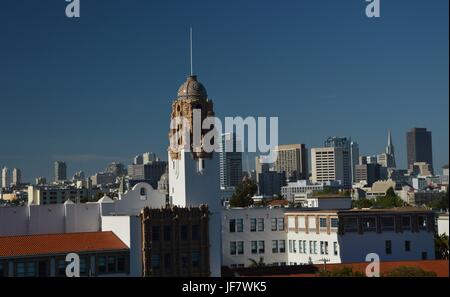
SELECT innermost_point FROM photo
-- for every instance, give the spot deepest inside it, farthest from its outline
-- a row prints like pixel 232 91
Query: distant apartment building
pixel 380 188
pixel 103 179
pixel 369 173
pixel 16 177
pixel 368 160
pixel 41 195
pixel 40 181
pixel 270 183
pixel 175 242
pixel 138 160
pixel 150 173
pixel 117 169
pixel 350 151
pixel 331 164
pixel 293 160
pixel 79 176
pixel 421 169
pixel 230 160
pixel 261 165
pixel 445 175
pixel 284 236
pixel 6 178
pixel 419 146
pixel 60 171
pixel 101 254
pixel 293 189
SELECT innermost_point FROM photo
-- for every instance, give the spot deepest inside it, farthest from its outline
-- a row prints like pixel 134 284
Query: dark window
pixel 232 225
pixel 61 268
pixel 261 224
pixel 184 262
pixel 387 223
pixel 155 233
pixel 406 222
pixel 322 222
pixel 350 224
pixel 111 264
pixel 422 222
pixel 195 259
pixel 195 232
pixel 254 247
pixel 168 261
pixel 167 233
pixel 184 232
pixel 143 192
pixel 83 266
pixel 252 225
pixel 424 256
pixel 2 269
pixel 156 261
pixel 334 222
pixel 274 224
pixel 121 264
pixel 101 264
pixel 407 246
pixel 31 269
pixel 20 269
pixel 369 224
pixel 388 247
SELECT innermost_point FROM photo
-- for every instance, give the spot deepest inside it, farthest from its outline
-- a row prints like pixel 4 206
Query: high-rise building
pixel 193 171
pixel 271 182
pixel 391 151
pixel 60 171
pixel 40 181
pixel 419 146
pixel 331 164
pixel 368 172
pixel 149 172
pixel 118 169
pixel 350 151
pixel 79 176
pixel 230 161
pixel 138 160
pixel 6 178
pixel 261 166
pixel 148 157
pixel 292 159
pixel 17 177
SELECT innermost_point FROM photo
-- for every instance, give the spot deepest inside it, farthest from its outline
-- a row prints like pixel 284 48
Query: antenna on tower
pixel 192 65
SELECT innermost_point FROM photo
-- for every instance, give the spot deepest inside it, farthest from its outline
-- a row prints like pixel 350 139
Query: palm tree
pixel 259 263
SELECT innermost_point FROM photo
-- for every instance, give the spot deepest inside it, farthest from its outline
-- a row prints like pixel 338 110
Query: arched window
pixel 143 193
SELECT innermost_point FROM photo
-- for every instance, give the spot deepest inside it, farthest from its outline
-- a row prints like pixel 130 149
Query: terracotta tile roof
pixel 278 202
pixel 61 243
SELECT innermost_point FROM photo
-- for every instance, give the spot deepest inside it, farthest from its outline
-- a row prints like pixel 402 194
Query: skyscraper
pixel 350 151
pixel 387 159
pixel 331 164
pixel 60 171
pixel 6 178
pixel 419 146
pixel 230 161
pixel 17 177
pixel 293 160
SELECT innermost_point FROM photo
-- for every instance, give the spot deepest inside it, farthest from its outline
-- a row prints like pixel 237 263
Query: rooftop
pixel 61 243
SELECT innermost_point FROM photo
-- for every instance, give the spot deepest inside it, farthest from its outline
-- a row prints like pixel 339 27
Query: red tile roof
pixel 62 243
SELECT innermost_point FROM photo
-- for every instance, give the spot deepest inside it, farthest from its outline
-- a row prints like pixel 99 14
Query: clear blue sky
pixel 99 88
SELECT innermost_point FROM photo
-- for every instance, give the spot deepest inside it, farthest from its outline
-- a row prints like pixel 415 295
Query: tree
pixel 242 197
pixel 387 201
pixel 362 203
pixel 441 203
pixel 441 246
pixel 404 271
pixel 256 264
pixel 346 271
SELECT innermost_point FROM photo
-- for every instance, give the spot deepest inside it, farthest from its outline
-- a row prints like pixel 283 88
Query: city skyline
pixel 116 102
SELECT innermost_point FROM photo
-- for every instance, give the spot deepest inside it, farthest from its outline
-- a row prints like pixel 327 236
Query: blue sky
pixel 99 88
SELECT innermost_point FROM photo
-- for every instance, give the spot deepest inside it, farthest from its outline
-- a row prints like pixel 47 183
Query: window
pixel 334 222
pixel 407 246
pixel 350 224
pixel 184 232
pixel 143 193
pixel 313 247
pixel 168 261
pixel 2 269
pixel 111 264
pixel 280 224
pixel 184 262
pixel 323 222
pixel 274 246
pixel 388 247
pixel 335 248
pixel 261 224
pixel 424 256
pixel 294 245
pixel 422 222
pixel 83 266
pixel 101 264
pixel 387 223
pixel 252 225
pixel 240 225
pixel 31 269
pixel 20 269
pixel 196 232
pixel 326 247
pixel 155 233
pixel 240 247
pixel 254 247
pixel 261 247
pixel 290 246
pixel 232 225
pixel 406 222
pixel 302 246
pixel 156 261
pixel 167 233
pixel 121 264
pixel 369 224
pixel 195 259
pixel 282 246
pixel 233 248
pixel 322 247
pixel 274 224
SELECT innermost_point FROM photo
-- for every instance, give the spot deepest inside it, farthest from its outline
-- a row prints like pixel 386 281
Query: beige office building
pixel 293 160
pixel 328 165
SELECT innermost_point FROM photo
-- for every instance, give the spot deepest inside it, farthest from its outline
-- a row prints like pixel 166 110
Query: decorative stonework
pixel 191 95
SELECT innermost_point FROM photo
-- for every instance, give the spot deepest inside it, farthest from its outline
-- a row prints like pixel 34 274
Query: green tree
pixel 441 203
pixel 362 203
pixel 346 271
pixel 441 246
pixel 242 197
pixel 404 271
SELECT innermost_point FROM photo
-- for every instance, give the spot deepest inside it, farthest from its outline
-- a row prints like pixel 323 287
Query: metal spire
pixel 191 54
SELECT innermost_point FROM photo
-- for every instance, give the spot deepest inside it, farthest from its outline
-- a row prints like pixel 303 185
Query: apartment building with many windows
pixel 290 236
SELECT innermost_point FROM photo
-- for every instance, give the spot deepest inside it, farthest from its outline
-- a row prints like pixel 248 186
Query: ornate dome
pixel 192 89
